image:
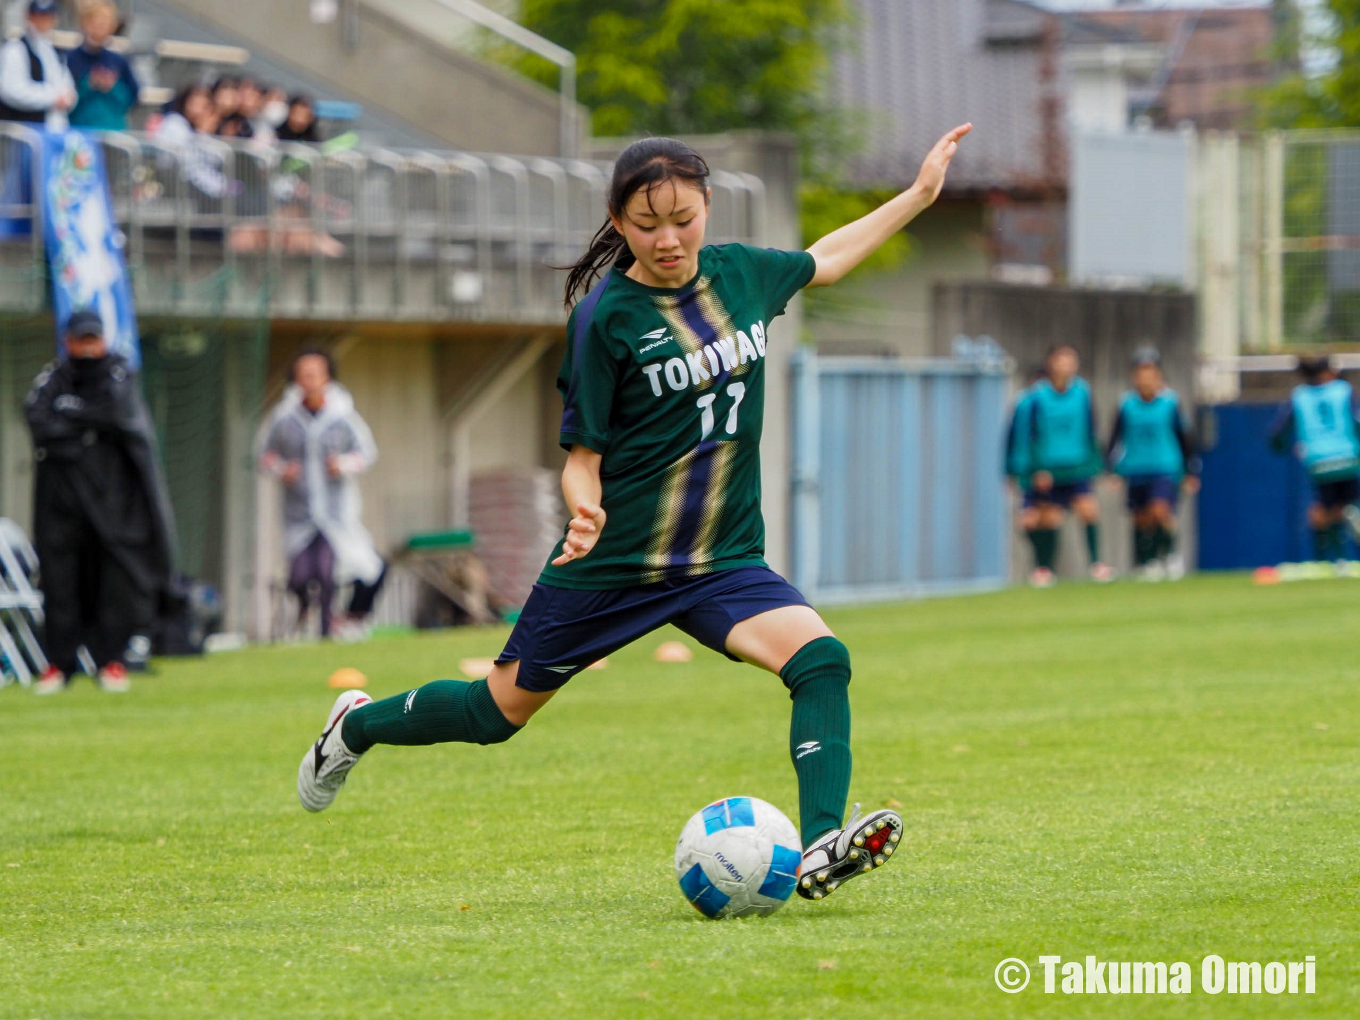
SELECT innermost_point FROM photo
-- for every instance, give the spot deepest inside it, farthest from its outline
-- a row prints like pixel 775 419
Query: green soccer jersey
pixel 669 386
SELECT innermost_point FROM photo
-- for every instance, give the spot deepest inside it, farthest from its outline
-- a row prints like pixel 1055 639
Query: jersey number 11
pixel 705 403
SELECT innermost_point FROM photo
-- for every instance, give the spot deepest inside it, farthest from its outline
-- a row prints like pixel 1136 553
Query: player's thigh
pixel 1051 515
pixel 1086 507
pixel 516 704
pixel 771 639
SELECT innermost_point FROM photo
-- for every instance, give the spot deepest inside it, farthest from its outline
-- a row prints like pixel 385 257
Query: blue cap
pixel 85 322
pixel 42 7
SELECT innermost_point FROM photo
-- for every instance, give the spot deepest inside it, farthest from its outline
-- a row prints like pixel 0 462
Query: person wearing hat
pixel 102 522
pixel 1151 449
pixel 1319 423
pixel 35 85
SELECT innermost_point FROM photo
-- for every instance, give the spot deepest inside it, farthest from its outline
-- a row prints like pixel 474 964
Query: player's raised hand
pixel 583 531
pixel 931 178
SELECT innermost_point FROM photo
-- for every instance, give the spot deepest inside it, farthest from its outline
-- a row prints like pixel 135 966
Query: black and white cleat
pixel 863 845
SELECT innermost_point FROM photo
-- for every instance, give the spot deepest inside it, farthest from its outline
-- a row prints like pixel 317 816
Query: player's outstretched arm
pixel 581 488
pixel 842 250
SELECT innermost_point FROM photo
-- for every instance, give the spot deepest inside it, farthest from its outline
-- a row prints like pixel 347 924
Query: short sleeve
pixel 589 374
pixel 779 274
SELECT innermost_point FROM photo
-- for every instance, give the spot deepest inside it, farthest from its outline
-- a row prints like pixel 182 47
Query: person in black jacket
pixel 102 522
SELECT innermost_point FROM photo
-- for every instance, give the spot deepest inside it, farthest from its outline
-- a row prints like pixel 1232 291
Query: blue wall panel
pixel 897 477
pixel 1253 510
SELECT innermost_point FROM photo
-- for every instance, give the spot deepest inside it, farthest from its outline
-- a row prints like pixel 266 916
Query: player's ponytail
pixel 646 163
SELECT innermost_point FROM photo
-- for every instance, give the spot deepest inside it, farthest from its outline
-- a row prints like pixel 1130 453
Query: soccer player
pixel 1053 456
pixel 1015 450
pixel 1151 450
pixel 1320 424
pixel 663 389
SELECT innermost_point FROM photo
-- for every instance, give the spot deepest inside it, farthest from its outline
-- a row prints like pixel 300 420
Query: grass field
pixel 1139 772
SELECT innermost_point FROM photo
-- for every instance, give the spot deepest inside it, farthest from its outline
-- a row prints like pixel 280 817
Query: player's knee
pixel 823 662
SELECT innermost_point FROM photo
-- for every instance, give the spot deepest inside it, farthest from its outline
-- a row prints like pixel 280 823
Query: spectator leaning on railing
pixel 35 85
pixel 106 88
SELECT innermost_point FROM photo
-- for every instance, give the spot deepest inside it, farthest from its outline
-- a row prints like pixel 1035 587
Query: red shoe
pixel 113 678
pixel 52 681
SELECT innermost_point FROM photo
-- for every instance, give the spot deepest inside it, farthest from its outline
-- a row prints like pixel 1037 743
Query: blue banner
pixel 84 245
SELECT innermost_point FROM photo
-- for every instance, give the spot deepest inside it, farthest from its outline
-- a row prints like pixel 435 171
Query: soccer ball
pixel 738 856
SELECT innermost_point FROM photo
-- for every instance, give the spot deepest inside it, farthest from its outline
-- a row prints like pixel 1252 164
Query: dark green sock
pixel 1321 540
pixel 1035 543
pixel 1338 540
pixel 439 712
pixel 1166 541
pixel 1045 547
pixel 1093 542
pixel 1144 545
pixel 818 678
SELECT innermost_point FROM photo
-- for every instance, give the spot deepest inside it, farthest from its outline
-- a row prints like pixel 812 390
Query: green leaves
pixel 691 66
pixel 1330 100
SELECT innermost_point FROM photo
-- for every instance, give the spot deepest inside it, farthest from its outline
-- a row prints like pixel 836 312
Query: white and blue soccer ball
pixel 736 857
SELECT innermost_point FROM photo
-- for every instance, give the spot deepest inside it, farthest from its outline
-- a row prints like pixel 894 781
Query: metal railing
pixel 218 228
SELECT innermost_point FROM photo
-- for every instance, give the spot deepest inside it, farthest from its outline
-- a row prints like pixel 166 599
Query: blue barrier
pixel 1253 510
pixel 897 480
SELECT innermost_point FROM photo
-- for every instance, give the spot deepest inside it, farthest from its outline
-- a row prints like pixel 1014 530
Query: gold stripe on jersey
pixel 715 501
pixel 711 308
pixel 669 508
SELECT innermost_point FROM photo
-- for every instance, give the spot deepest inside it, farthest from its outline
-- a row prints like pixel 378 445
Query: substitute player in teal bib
pixel 663 387
pixel 1151 450
pixel 1320 424
pixel 1052 454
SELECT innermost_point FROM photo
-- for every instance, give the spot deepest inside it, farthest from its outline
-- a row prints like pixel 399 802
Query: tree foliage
pixel 677 67
pixel 1302 99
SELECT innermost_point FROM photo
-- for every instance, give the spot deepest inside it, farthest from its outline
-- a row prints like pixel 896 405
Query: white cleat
pixel 836 857
pixel 1042 577
pixel 1101 573
pixel 328 761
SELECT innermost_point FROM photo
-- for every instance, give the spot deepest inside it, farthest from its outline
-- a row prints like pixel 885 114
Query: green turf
pixel 1140 772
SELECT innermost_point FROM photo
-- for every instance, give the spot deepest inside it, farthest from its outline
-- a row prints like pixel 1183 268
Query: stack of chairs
pixel 21 606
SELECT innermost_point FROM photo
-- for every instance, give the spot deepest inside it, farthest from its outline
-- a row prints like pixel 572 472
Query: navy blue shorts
pixel 1146 489
pixel 1059 495
pixel 1335 495
pixel 561 631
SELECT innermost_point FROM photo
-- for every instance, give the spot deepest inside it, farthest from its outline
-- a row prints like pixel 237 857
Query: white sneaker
pixel 840 855
pixel 52 681
pixel 1175 567
pixel 1101 573
pixel 1152 572
pixel 1041 577
pixel 328 761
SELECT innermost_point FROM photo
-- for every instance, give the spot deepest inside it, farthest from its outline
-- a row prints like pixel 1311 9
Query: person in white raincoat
pixel 316 444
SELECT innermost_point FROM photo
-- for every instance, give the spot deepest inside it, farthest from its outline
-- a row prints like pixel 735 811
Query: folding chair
pixel 21 605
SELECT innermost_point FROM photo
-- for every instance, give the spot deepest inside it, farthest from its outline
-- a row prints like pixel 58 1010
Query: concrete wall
pixel 1105 327
pixel 407 382
pixel 889 312
pixel 395 68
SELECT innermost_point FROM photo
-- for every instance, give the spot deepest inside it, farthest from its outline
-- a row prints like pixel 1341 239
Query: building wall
pixel 1105 327
pixel 889 312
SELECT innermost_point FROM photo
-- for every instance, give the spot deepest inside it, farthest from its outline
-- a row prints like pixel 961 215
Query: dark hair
pixel 1058 349
pixel 646 163
pixel 225 82
pixel 312 352
pixel 182 97
pixel 1313 365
